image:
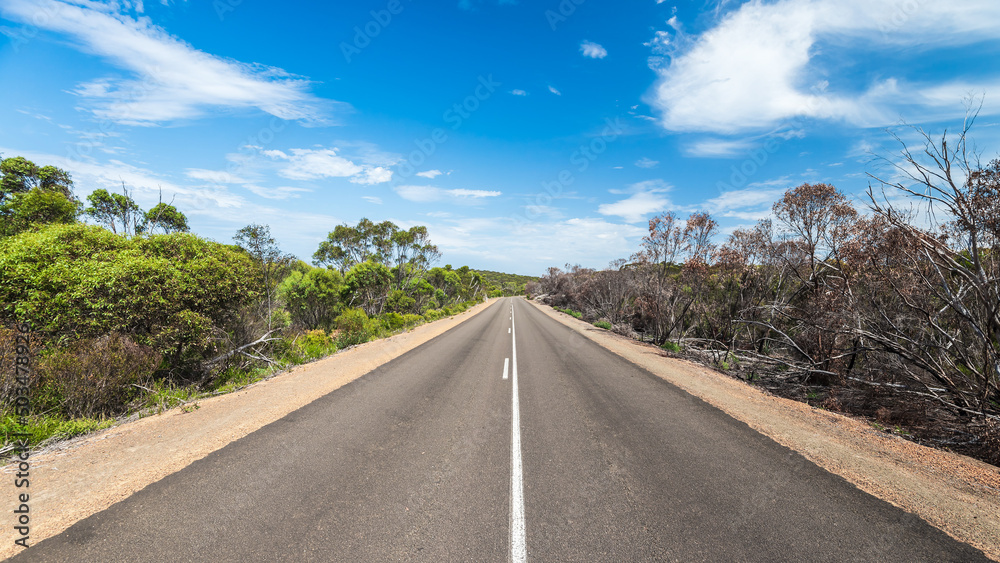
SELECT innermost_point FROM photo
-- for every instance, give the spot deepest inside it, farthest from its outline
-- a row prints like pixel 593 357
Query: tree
pixel 945 278
pixel 118 212
pixel 820 216
pixel 367 286
pixel 408 252
pixel 165 217
pixel 312 297
pixel 19 175
pixel 346 246
pixel 36 207
pixel 272 263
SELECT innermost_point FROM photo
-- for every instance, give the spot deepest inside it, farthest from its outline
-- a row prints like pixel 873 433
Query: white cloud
pixel 750 203
pixel 372 199
pixel 377 175
pixel 718 148
pixel 214 176
pixel 660 43
pixel 554 91
pixel 518 92
pixel 593 50
pixel 275 193
pixel 430 174
pixel 531 246
pixel 312 164
pixel 757 68
pixel 424 194
pixel 168 78
pixel 647 197
pixel 645 162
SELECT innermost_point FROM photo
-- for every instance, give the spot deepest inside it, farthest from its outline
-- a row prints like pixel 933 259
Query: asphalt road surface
pixel 507 438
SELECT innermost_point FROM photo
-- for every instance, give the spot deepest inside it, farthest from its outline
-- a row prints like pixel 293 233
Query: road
pixel 507 438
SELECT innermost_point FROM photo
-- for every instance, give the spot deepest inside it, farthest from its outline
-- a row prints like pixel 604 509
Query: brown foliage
pixel 97 377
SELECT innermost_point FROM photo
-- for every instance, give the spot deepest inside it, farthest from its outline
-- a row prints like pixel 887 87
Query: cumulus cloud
pixel 757 66
pixel 430 174
pixel 593 50
pixel 167 79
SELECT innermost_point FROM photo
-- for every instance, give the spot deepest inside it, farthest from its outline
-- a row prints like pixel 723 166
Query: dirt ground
pixel 80 477
pixel 955 493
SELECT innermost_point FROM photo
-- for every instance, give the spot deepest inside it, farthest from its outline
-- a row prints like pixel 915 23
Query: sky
pixel 523 134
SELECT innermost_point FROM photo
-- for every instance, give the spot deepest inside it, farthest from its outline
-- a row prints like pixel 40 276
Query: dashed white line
pixel 518 543
pixel 505 362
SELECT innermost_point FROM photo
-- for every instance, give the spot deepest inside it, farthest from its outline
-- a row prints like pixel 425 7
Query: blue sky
pixel 523 134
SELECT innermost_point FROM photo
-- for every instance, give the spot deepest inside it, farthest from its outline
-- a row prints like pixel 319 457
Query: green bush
pixel 353 326
pixel 671 346
pixel 603 324
pixel 314 344
pixel 171 292
pixel 392 321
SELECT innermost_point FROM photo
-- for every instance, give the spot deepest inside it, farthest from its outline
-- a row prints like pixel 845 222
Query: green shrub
pixel 392 321
pixel 603 324
pixel 671 347
pixel 353 326
pixel 171 292
pixel 314 344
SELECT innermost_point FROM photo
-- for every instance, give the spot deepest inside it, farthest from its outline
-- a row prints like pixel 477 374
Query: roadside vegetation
pixel 132 314
pixel 888 310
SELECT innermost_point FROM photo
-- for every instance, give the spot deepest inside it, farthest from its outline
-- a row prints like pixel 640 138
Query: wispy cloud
pixel 645 162
pixel 718 148
pixel 275 193
pixel 593 50
pixel 167 79
pixel 518 92
pixel 424 194
pixel 554 91
pixel 647 197
pixel 430 174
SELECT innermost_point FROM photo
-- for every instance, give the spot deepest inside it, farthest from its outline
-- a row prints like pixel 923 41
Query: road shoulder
pixel 954 493
pixel 92 473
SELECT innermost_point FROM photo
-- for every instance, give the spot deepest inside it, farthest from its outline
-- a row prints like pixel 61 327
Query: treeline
pixel 136 312
pixel 506 285
pixel 825 296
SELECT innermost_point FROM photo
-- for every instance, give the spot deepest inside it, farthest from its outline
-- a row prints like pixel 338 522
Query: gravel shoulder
pixel 954 493
pixel 81 477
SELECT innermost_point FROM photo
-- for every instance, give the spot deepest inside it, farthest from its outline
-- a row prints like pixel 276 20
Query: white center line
pixel 508 331
pixel 518 545
pixel 505 362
